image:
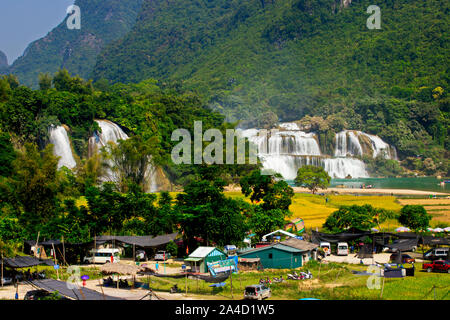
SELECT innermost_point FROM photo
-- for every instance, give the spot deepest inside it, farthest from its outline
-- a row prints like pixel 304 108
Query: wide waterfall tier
pixel 286 142
pixel 62 148
pixel 111 132
pixel 339 168
pixel 356 144
pixel 288 148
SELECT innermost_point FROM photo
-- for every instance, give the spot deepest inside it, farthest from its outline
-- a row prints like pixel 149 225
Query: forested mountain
pixel 102 21
pixel 261 61
pixel 3 60
pixel 284 55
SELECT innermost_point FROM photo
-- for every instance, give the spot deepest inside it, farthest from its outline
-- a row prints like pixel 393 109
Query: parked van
pixel 342 249
pixel 103 256
pixel 437 254
pixel 326 246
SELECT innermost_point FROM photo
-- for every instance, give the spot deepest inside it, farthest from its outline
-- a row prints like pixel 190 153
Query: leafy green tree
pixel 263 221
pixel 63 81
pixel 7 154
pixel 45 81
pixel 34 187
pixel 130 160
pixel 205 212
pixel 273 198
pixel 105 209
pixel 5 89
pixel 313 178
pixel 359 217
pixel 10 230
pixel 172 248
pixel 270 189
pixel 414 217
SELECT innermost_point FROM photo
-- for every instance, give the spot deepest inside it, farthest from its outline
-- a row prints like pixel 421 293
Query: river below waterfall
pixel 422 183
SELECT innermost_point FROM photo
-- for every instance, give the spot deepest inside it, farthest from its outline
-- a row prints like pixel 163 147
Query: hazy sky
pixel 23 21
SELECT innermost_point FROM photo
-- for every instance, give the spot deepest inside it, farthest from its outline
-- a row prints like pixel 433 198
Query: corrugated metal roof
pixel 287 248
pixel 275 246
pixel 201 252
pixel 193 259
pixel 299 244
pixel 63 288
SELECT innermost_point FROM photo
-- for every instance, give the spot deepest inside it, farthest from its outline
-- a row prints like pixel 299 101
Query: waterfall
pixel 274 142
pixel 286 150
pixel 62 148
pixel 341 168
pixel 111 132
pixel 380 147
pixel 347 144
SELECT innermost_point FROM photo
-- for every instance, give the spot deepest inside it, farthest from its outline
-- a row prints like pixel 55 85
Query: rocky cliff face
pixel 102 21
pixel 3 60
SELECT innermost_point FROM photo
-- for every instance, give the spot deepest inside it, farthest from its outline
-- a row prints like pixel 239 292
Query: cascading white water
pixel 380 147
pixel 274 142
pixel 111 132
pixel 345 167
pixel 59 138
pixel 286 150
pixel 348 143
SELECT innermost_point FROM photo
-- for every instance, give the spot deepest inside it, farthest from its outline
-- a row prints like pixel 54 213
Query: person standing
pixel 157 266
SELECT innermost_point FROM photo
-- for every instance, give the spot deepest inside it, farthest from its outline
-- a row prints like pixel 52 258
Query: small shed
pixel 202 255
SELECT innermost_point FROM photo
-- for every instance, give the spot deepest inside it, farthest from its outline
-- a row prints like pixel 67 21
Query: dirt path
pixel 351 258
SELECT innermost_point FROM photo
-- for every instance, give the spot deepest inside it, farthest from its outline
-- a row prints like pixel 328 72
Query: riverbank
pixel 393 192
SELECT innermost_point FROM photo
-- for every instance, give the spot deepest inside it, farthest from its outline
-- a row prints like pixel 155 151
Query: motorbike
pixel 306 275
pixel 174 289
pixel 278 280
pixel 301 276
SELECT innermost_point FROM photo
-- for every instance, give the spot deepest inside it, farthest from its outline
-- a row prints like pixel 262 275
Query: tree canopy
pixel 313 178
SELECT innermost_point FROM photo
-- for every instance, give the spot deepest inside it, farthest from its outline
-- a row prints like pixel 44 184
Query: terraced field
pixel 439 208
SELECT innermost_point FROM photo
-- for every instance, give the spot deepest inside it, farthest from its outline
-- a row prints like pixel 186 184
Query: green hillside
pixel 285 54
pixel 102 21
pixel 261 60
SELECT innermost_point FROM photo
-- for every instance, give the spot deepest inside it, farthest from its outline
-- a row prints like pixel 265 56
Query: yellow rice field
pixel 314 209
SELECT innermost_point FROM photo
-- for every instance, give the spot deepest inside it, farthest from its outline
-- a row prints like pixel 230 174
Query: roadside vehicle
pixel 437 254
pixel 342 249
pixel 5 281
pixel 257 291
pixel 326 246
pixel 40 294
pixel 162 255
pixel 108 255
pixel 141 255
pixel 406 258
pixel 437 266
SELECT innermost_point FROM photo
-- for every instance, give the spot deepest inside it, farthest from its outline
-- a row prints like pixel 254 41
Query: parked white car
pixel 342 249
pixel 102 256
pixel 5 281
